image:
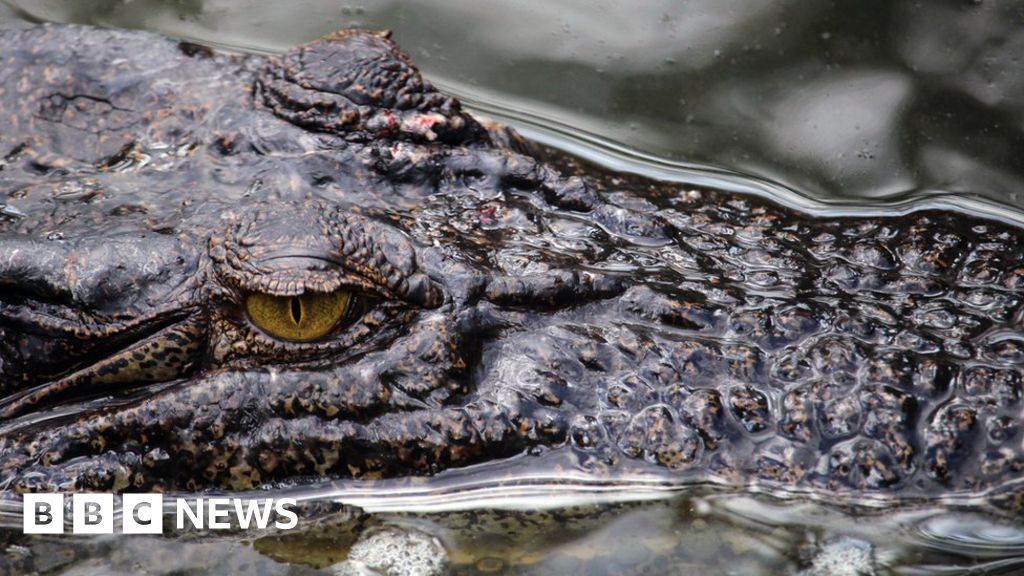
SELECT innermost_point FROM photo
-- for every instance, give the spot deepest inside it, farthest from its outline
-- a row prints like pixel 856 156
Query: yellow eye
pixel 299 318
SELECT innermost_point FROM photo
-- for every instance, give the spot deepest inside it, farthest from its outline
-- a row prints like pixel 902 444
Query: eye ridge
pixel 302 318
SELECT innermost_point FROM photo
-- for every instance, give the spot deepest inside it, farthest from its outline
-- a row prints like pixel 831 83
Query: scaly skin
pixel 507 301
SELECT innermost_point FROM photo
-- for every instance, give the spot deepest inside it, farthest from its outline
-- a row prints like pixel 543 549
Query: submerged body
pixel 222 272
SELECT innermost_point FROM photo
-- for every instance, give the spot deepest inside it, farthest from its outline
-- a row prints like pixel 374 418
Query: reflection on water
pixel 698 531
pixel 552 523
pixel 875 103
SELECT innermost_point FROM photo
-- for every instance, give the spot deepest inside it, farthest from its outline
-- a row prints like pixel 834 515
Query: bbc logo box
pixel 43 514
pixel 144 513
pixel 92 514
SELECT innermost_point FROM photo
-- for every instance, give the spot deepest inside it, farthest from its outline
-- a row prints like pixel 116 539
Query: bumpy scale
pixel 498 301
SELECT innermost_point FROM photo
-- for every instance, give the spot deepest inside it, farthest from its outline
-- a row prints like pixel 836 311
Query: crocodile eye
pixel 299 318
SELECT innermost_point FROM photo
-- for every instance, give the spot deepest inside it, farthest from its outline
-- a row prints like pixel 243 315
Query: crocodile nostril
pixel 296 311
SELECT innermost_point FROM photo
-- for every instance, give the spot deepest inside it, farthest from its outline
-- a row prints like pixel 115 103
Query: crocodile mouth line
pixel 158 352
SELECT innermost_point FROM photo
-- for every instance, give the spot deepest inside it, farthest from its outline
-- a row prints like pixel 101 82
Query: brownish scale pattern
pixel 508 302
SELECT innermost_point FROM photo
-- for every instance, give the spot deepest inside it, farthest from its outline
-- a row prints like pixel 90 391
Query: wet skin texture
pixel 504 301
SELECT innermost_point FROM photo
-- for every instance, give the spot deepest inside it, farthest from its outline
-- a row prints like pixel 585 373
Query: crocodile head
pixel 160 334
pixel 298 339
pixel 315 265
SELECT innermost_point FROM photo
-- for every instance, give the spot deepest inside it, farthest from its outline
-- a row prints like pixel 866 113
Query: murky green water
pixel 843 106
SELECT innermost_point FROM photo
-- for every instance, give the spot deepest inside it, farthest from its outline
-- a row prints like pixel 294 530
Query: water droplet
pixel 11 211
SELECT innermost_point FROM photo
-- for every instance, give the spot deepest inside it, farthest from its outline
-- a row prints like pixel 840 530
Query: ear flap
pixel 357 84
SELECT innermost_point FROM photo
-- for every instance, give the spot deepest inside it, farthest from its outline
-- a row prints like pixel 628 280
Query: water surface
pixel 854 101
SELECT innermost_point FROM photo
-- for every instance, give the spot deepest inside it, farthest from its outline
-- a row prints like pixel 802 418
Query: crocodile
pixel 238 271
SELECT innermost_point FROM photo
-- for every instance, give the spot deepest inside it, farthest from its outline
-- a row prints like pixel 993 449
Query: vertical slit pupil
pixel 296 310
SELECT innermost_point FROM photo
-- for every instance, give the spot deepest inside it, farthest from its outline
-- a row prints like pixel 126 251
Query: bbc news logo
pixel 144 513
